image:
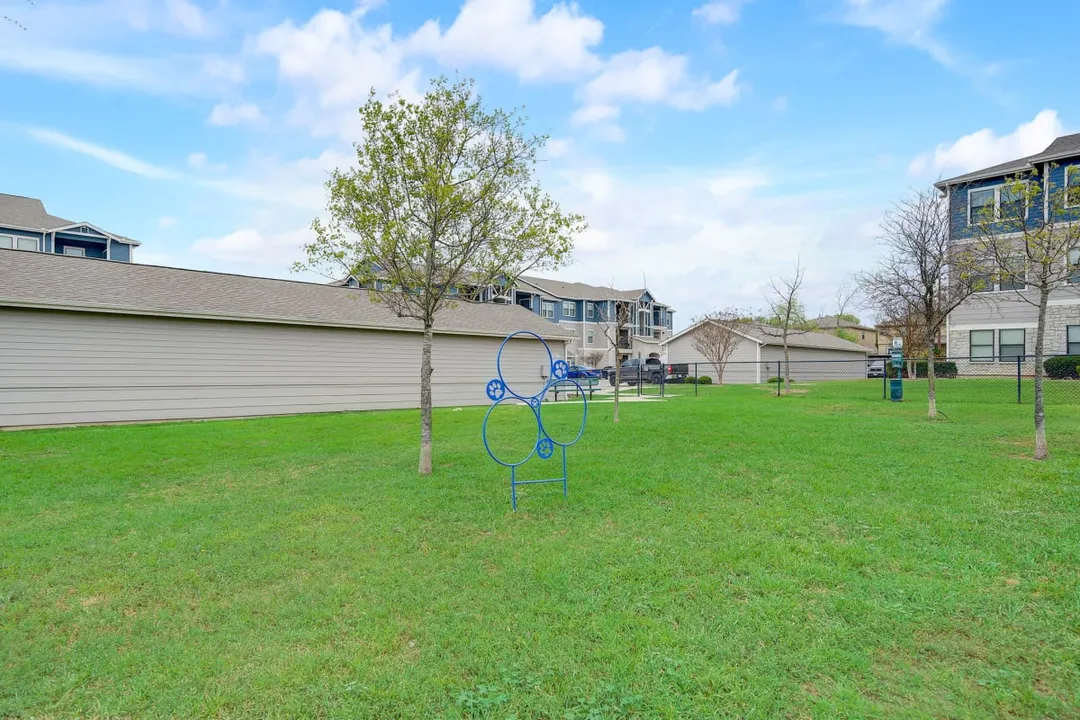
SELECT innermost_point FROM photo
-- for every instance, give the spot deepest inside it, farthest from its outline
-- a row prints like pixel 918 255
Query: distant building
pixel 24 225
pixel 996 325
pixel 869 337
pixel 587 311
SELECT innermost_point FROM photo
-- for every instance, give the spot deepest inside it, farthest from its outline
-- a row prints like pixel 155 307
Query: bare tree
pixel 898 321
pixel 593 358
pixel 787 315
pixel 614 316
pixel 923 277
pixel 1028 232
pixel 716 335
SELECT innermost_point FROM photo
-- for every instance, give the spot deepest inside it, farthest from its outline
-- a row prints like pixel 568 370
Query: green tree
pixel 1030 239
pixel 442 198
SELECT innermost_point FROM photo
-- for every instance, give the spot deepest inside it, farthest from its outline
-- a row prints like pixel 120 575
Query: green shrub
pixel 941 369
pixel 1063 368
pixel 775 380
pixel 704 380
pixel 689 379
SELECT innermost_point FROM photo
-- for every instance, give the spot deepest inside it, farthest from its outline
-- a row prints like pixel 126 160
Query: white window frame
pixel 1076 171
pixel 11 241
pixel 1072 259
pixel 16 239
pixel 1011 358
pixel 1068 343
pixel 992 346
pixel 589 337
pixel 1021 261
pixel 547 309
pixel 569 309
pixel 997 200
pixel 81 251
pixel 590 310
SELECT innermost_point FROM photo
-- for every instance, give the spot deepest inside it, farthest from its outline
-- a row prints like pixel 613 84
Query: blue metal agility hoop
pixel 499 391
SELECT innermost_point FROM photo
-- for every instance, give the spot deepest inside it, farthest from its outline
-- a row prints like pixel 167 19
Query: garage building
pixel 86 341
pixel 814 356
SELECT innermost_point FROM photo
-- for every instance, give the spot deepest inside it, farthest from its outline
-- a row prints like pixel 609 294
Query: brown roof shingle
pixel 30 279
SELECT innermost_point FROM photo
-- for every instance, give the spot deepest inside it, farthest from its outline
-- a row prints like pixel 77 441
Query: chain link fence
pixel 969 379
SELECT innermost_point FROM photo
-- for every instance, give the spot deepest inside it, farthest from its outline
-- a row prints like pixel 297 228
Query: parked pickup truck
pixel 649 370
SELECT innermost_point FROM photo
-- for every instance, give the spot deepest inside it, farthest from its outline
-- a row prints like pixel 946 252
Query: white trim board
pixel 995 326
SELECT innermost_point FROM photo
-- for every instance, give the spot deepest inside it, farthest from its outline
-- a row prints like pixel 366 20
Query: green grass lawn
pixel 731 555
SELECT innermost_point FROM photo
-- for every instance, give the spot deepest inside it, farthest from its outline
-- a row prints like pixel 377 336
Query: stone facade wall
pixel 1058 318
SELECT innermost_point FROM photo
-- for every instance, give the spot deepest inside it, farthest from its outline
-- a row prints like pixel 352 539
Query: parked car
pixel 875 369
pixel 648 370
pixel 578 372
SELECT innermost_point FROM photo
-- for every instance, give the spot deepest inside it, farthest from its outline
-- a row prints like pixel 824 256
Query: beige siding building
pixel 814 356
pixel 86 341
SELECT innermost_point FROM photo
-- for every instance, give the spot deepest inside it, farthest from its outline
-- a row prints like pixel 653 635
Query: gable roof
pixel 830 322
pixel 767 335
pixel 1062 147
pixel 580 291
pixel 59 282
pixel 26 213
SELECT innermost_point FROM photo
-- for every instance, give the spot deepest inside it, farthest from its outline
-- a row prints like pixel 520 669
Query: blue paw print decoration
pixel 499 391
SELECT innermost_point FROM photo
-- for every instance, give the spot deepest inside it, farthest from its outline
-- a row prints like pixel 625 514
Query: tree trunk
pixel 931 379
pixel 787 367
pixel 719 374
pixel 618 379
pixel 425 403
pixel 1041 450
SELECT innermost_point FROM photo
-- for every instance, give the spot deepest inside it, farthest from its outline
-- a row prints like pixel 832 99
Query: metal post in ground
pixel 1019 386
pixel 695 378
pixel 885 382
pixel 779 380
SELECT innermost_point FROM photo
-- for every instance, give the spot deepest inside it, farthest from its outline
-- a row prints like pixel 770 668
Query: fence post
pixel 779 380
pixel 695 379
pixel 639 380
pixel 885 381
pixel 1019 386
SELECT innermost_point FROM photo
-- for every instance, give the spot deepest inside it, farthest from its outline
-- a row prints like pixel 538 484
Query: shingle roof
pixel 29 279
pixel 1062 147
pixel 580 291
pixel 824 341
pixel 767 335
pixel 27 212
pixel 831 321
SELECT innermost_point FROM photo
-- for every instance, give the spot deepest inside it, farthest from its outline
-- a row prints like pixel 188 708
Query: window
pixel 1010 344
pixel 1072 186
pixel 589 336
pixel 590 311
pixel 18 243
pixel 1072 340
pixel 1074 263
pixel 1013 276
pixel 569 309
pixel 547 310
pixel 981 345
pixel 997 203
pixel 981 205
pixel 76 251
pixel 982 282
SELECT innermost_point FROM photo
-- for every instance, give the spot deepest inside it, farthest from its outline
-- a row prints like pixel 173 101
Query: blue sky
pixel 709 143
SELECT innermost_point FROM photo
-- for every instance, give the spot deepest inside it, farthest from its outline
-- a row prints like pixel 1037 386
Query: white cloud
pixel 166 223
pixel 331 62
pixel 199 161
pixel 595 114
pixel 229 71
pixel 906 22
pixel 224 115
pixel 707 239
pixel 186 18
pixel 558 147
pixel 720 12
pixel 985 148
pixel 250 246
pixel 654 76
pixel 780 103
pixel 114 158
pixel 508 34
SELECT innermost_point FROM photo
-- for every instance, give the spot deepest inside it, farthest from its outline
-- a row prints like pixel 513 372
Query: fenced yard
pixel 735 554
